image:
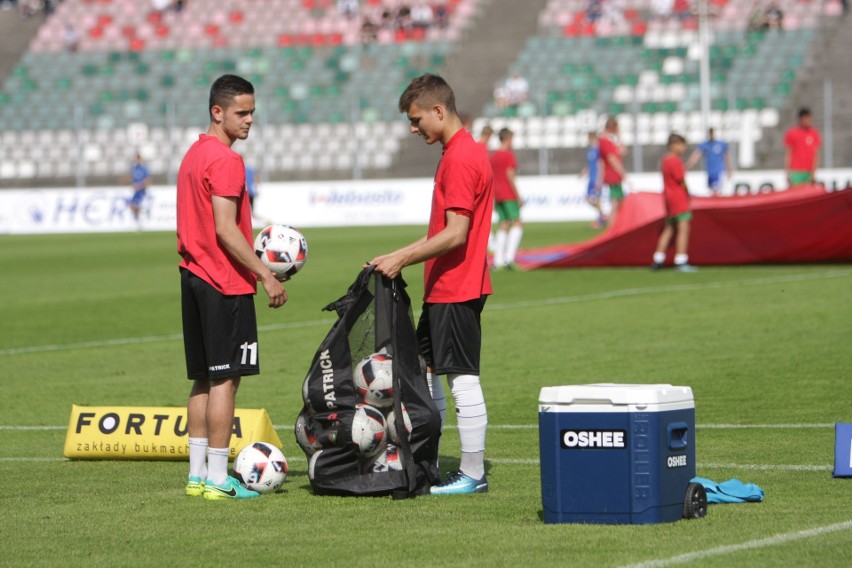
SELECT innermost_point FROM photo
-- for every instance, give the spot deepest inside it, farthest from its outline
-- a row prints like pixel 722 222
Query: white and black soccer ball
pixel 368 429
pixel 312 465
pixel 393 425
pixel 305 436
pixel 373 378
pixel 388 460
pixel 282 249
pixel 261 467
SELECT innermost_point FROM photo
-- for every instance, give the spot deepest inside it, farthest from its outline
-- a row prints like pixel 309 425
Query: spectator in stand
pixel 403 18
pixel 442 15
pixel 369 31
pixel 594 10
pixel 681 9
pixel 348 8
pixel 801 159
pixel 774 17
pixel 422 16
pixel 515 90
pixel 662 8
pixel 757 20
pixel 70 38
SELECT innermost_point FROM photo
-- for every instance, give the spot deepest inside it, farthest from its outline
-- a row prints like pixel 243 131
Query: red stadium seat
pixel 128 32
pixel 137 44
pixel 161 31
pixel 236 17
pixel 211 29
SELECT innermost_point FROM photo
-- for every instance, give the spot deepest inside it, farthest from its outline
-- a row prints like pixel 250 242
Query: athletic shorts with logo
pixel 219 331
pixel 450 336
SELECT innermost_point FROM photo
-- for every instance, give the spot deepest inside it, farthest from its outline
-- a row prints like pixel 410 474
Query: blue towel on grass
pixel 731 491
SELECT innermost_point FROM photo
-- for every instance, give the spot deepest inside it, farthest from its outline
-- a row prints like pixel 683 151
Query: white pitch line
pixel 510 426
pixel 509 306
pixel 752 467
pixel 148 339
pixel 775 540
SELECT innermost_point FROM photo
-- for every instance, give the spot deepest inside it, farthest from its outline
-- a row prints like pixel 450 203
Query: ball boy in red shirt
pixel 678 215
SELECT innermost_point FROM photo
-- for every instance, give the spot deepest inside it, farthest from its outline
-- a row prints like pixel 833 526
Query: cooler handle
pixel 678 435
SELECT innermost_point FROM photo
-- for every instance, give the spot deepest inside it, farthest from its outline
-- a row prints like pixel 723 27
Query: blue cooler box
pixel 614 453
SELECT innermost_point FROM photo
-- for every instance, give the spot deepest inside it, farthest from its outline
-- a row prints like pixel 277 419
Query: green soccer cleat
pixel 194 486
pixel 231 489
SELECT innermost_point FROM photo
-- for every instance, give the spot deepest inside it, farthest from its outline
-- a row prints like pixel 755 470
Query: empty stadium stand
pixel 327 91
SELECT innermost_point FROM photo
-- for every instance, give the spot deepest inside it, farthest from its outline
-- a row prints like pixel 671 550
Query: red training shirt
pixel 803 144
pixel 463 182
pixel 609 148
pixel 210 168
pixel 501 161
pixel 675 193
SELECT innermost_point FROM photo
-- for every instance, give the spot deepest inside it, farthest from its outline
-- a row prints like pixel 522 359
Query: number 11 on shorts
pixel 249 353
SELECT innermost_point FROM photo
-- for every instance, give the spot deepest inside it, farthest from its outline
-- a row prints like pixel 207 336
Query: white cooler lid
pixel 615 394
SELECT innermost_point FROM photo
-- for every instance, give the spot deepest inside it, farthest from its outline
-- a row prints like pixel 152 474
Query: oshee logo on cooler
pixel 593 439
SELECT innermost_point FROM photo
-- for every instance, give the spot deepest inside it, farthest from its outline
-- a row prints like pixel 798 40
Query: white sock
pixel 681 259
pixel 198 458
pixel 472 422
pixel 490 242
pixel 500 247
pixel 515 234
pixel 217 465
pixel 437 390
pixel 659 257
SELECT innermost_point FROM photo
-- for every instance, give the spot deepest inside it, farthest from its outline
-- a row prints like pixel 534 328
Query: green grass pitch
pixel 94 320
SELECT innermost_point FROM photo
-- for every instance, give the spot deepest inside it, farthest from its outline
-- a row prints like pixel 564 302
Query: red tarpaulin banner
pixel 801 225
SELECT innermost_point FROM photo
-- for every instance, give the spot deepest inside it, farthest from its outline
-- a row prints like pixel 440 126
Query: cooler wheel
pixel 695 503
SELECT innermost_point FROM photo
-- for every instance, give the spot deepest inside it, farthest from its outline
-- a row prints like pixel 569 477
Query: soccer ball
pixel 306 437
pixel 312 465
pixel 374 380
pixel 282 249
pixel 392 425
pixel 368 429
pixel 261 467
pixel 388 460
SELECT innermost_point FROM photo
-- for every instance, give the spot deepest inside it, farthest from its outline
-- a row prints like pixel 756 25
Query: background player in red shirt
pixel 801 158
pixel 678 215
pixel 612 156
pixel 219 273
pixel 507 201
pixel 456 276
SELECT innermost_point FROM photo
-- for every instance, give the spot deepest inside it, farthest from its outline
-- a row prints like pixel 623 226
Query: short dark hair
pixel 504 134
pixel 674 138
pixel 427 90
pixel 611 122
pixel 225 88
pixel 804 111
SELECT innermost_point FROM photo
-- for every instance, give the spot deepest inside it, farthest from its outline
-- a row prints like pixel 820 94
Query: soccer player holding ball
pixel 219 273
pixel 457 281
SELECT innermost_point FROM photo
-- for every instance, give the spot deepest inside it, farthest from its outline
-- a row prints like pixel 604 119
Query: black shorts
pixel 450 336
pixel 219 332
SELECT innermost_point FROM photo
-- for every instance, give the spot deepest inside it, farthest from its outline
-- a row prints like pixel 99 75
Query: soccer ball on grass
pixel 261 467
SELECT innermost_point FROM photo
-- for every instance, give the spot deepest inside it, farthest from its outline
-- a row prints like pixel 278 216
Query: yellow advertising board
pixel 151 433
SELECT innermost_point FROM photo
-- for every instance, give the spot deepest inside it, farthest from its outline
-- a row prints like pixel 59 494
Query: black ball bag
pixel 374 316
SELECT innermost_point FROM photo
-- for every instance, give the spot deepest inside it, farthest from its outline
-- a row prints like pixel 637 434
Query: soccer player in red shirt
pixel 678 215
pixel 801 158
pixel 507 202
pixel 456 275
pixel 611 152
pixel 219 273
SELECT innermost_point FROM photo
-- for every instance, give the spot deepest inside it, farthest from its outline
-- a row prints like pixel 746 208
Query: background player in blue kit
pixel 594 170
pixel 140 177
pixel 716 160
